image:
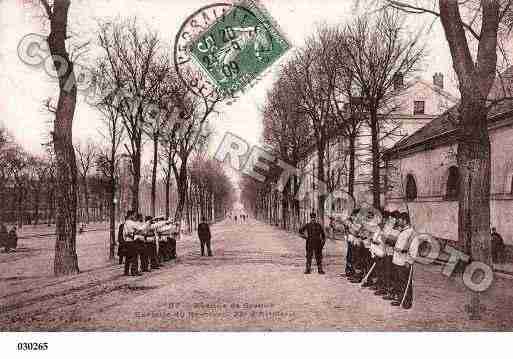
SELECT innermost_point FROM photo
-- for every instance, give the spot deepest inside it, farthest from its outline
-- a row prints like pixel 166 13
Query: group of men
pixel 8 239
pixel 144 244
pixel 381 250
pixel 242 217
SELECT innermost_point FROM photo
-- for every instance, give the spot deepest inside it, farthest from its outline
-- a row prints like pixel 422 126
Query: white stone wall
pixel 430 211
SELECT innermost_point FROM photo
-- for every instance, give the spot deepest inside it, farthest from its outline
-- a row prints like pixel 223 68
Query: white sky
pixel 24 88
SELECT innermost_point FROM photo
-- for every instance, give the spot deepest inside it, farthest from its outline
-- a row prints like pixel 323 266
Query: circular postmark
pixel 222 47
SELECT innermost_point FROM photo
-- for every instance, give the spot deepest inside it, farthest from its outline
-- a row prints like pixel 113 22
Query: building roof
pixel 447 123
pixel 404 89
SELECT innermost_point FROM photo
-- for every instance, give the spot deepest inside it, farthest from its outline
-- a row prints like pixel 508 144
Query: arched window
pixel 453 184
pixel 411 188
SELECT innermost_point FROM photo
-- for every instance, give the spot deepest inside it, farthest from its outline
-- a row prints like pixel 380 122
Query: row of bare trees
pixel 140 100
pixel 338 84
pixel 28 185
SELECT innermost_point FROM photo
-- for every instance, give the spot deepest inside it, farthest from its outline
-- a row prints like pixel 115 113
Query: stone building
pixel 423 173
pixel 413 105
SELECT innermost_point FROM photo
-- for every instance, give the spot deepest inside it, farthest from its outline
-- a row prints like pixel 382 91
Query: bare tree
pixel 189 134
pixel 65 261
pixel 478 22
pixel 86 155
pixel 380 57
pixel 311 78
pixel 160 120
pixel 287 131
pixel 134 73
pixel 108 158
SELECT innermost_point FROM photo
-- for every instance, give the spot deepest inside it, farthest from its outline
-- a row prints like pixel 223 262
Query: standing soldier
pixel 175 234
pixel 130 229
pixel 349 270
pixel 402 261
pixel 204 236
pixel 121 243
pixel 355 229
pixel 149 260
pixel 378 253
pixel 315 239
pixel 391 230
pixel 12 239
pixel 165 232
pixel 3 236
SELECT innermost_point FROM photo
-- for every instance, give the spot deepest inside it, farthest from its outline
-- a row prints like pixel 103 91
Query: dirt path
pixel 255 281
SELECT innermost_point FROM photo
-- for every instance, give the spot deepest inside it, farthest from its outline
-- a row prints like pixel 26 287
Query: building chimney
pixel 438 80
pixel 398 81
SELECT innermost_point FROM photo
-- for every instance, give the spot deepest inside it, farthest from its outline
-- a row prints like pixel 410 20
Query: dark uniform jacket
pixel 12 239
pixel 204 230
pixel 314 232
pixel 3 235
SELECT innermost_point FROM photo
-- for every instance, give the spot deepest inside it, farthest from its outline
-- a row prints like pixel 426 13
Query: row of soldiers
pixel 145 244
pixel 381 250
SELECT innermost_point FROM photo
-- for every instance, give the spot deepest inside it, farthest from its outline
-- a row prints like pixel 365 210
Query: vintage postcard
pixel 255 166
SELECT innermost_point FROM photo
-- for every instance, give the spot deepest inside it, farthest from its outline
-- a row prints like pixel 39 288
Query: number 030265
pixel 32 346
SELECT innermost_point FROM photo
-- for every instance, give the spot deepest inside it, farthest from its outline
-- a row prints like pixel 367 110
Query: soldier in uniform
pixel 3 235
pixel 204 237
pixel 130 230
pixel 166 232
pixel 121 243
pixel 390 233
pixel 175 234
pixel 378 254
pixel 149 260
pixel 350 268
pixel 12 240
pixel 402 262
pixel 355 229
pixel 315 239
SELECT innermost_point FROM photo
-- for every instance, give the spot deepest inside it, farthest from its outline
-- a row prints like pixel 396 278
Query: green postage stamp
pixel 238 47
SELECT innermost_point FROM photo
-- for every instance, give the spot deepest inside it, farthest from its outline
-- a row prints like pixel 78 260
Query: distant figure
pixel 3 235
pixel 122 250
pixel 497 246
pixel 315 239
pixel 235 219
pixel 204 237
pixel 12 240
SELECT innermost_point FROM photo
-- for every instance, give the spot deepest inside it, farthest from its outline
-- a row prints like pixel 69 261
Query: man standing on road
pixel 3 236
pixel 315 239
pixel 122 252
pixel 497 246
pixel 204 237
pixel 131 229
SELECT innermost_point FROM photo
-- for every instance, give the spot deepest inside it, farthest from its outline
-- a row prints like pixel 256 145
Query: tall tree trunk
pixel 376 197
pixel 285 199
pixel 112 219
pixel 86 201
pixel 181 183
pixel 2 200
pixel 136 175
pixel 474 165
pixel 352 166
pixel 66 261
pixel 168 191
pixel 320 176
pixel 37 200
pixel 154 174
pixel 475 78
